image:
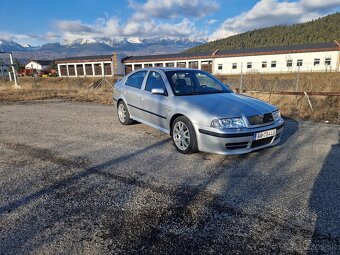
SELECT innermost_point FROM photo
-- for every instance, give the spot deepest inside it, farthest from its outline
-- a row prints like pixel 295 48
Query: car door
pixel 132 93
pixel 155 105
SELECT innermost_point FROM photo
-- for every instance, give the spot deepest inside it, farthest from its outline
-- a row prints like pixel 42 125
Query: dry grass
pixel 77 89
pixel 316 82
pixel 325 108
pixel 74 89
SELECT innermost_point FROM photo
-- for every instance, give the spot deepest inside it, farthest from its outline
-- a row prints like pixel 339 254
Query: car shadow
pixel 325 203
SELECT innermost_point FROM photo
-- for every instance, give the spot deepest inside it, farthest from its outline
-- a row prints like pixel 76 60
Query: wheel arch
pixel 173 117
pixel 120 100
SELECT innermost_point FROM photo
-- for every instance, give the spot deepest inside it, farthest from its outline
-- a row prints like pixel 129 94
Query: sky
pixel 42 21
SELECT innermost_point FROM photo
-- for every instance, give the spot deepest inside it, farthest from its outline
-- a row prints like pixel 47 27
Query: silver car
pixel 197 110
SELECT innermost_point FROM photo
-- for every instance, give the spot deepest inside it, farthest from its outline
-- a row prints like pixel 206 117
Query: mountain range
pixel 98 46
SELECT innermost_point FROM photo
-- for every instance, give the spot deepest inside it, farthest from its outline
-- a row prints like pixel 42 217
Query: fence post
pixel 2 70
pixel 309 102
pixel 241 78
pixel 297 79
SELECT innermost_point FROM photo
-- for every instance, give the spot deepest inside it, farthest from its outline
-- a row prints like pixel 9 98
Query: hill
pixel 325 29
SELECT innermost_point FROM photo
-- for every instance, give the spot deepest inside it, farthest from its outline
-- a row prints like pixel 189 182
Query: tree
pixel 17 64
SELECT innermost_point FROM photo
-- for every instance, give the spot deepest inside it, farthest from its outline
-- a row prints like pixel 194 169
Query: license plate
pixel 264 134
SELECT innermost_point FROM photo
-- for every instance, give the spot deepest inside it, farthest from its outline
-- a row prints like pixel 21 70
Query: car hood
pixel 226 105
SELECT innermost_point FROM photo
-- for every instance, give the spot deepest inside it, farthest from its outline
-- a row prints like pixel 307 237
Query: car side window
pixel 154 81
pixel 136 80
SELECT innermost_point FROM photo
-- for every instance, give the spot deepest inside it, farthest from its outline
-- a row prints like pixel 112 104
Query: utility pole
pixel 16 84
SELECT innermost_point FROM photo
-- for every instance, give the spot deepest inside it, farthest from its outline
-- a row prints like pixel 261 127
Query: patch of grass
pixel 326 108
pixel 316 82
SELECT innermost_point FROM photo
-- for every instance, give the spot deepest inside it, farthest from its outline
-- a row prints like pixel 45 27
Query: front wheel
pixel 183 136
pixel 123 114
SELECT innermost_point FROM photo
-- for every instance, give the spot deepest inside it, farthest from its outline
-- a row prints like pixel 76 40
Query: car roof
pixel 168 69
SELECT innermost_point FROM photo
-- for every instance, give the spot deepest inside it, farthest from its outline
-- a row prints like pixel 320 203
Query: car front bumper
pixel 234 143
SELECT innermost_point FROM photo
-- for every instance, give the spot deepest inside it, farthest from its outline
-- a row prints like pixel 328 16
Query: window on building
pixel 273 64
pixel 193 64
pixel 316 61
pixel 264 64
pixel 158 64
pixel 220 66
pixel 249 65
pixel 136 80
pixel 147 65
pixel 299 62
pixel 327 61
pixel 63 71
pixel 289 63
pixel 80 69
pixel 97 69
pixel 107 69
pixel 181 64
pixel 172 64
pixel 138 66
pixel 88 69
pixel 234 66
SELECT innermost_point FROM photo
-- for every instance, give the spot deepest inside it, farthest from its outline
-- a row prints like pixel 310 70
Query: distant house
pixel 38 65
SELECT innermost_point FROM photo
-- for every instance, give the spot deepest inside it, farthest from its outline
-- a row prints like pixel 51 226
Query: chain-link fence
pixel 303 81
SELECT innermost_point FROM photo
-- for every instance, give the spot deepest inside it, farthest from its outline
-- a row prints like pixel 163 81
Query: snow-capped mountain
pixel 6 45
pixel 97 46
pixel 119 41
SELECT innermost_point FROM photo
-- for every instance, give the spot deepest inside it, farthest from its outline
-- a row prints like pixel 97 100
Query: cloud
pixel 320 4
pixel 212 21
pixel 273 12
pixel 33 39
pixel 172 9
pixel 111 28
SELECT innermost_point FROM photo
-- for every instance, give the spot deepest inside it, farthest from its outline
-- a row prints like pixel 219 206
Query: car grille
pixel 236 146
pixel 259 120
pixel 262 142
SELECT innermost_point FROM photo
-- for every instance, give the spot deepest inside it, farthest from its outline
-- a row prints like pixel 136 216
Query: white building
pixel 317 57
pixel 38 65
pixel 91 66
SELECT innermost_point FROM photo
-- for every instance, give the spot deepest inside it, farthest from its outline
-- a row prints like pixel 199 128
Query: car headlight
pixel 276 115
pixel 228 123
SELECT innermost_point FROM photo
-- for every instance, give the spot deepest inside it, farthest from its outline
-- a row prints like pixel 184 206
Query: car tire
pixel 184 136
pixel 123 114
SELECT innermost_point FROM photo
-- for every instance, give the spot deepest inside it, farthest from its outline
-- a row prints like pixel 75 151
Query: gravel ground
pixel 74 181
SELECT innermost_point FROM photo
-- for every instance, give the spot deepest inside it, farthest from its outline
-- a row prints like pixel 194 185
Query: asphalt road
pixel 74 181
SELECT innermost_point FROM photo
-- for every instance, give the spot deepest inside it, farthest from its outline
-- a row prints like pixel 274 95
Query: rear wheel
pixel 123 114
pixel 183 136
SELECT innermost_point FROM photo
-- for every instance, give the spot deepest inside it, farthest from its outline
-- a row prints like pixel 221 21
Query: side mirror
pixel 158 91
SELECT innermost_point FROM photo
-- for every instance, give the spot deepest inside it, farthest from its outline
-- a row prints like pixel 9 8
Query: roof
pixel 328 46
pixel 298 48
pixel 85 59
pixel 162 57
pixel 42 62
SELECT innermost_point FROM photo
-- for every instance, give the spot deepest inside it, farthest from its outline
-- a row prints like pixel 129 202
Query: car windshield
pixel 194 82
